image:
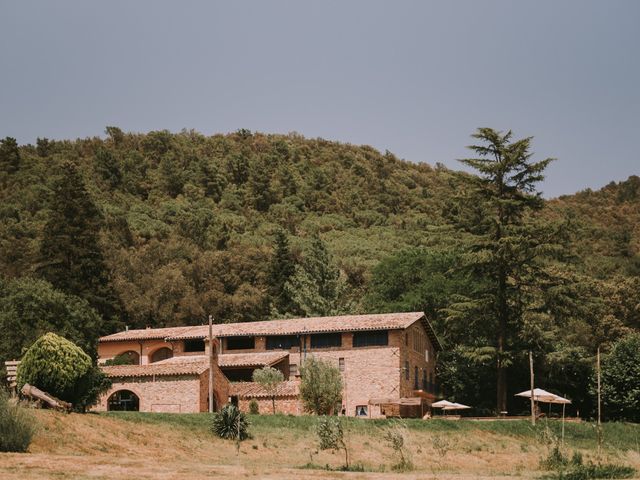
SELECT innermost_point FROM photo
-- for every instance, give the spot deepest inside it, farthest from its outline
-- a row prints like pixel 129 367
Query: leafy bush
pixel 320 386
pixel 594 471
pixel 16 426
pixel 59 367
pixel 122 359
pixel 230 423
pixel 254 409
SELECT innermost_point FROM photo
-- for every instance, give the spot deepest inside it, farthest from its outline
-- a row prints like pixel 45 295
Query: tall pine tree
pixel 70 255
pixel 504 244
pixel 281 270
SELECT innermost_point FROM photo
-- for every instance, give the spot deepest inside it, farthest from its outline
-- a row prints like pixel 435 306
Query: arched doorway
pixel 123 401
pixel 161 354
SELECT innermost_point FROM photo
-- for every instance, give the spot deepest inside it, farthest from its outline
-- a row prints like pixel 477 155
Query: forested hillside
pixel 161 229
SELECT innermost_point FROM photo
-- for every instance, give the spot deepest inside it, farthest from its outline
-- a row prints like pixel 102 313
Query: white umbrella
pixel 540 395
pixel 443 404
pixel 456 406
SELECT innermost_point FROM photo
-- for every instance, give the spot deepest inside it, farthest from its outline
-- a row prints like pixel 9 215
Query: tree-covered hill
pixel 162 229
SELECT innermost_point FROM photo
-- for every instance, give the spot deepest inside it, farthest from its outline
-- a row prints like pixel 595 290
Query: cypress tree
pixel 70 255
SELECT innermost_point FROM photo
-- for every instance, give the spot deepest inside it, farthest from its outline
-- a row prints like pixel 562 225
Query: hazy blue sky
pixel 415 78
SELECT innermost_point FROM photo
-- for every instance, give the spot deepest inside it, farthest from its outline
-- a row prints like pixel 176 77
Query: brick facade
pixel 370 374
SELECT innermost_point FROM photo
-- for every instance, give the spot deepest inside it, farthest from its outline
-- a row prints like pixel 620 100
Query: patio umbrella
pixel 456 406
pixel 443 404
pixel 540 395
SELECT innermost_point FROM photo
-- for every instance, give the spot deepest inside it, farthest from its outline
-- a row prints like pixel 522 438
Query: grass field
pixel 159 446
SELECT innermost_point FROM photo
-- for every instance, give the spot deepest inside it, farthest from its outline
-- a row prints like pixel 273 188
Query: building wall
pixel 415 343
pixel 285 405
pixel 146 348
pixel 369 372
pixel 176 394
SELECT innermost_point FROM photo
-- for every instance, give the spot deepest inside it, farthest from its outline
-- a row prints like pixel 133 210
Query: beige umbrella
pixel 443 404
pixel 456 406
pixel 540 395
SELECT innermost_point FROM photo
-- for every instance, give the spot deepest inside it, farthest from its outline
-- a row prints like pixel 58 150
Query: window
pixel 282 342
pixel 195 345
pixel 123 401
pixel 341 364
pixel 406 370
pixel 362 411
pixel 424 380
pixel 241 343
pixel 416 385
pixel 373 338
pixel 326 340
pixel 161 354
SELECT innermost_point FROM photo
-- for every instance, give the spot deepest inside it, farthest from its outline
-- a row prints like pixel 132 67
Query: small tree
pixel 396 437
pixel 62 369
pixel 269 378
pixel 331 436
pixel 321 386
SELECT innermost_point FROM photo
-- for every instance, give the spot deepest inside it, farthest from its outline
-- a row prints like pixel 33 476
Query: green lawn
pixel 620 436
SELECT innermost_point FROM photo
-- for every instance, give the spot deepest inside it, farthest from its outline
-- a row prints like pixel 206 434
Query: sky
pixel 412 77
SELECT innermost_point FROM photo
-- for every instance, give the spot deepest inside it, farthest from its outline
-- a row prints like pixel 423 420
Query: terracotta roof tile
pixel 292 326
pixel 144 334
pixel 257 359
pixel 290 388
pixel 251 359
pixel 191 368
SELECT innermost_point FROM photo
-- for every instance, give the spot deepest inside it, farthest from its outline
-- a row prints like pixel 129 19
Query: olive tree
pixel 269 378
pixel 320 386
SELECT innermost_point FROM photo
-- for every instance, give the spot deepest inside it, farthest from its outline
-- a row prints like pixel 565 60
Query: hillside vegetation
pixel 162 229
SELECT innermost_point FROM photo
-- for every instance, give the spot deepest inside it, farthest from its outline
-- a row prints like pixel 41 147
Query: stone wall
pixel 179 394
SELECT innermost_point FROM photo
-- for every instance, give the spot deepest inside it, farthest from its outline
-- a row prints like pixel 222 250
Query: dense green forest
pixel 162 229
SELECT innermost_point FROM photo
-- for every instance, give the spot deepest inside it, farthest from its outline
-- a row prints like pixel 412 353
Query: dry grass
pixel 101 447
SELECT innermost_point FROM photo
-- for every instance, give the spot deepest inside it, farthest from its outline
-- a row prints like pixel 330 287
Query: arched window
pixel 123 401
pixel 161 354
pixel 130 357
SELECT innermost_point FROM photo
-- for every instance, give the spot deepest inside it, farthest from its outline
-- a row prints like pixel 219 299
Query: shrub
pixel 16 426
pixel 320 386
pixel 254 409
pixel 59 367
pixel 331 436
pixel 230 423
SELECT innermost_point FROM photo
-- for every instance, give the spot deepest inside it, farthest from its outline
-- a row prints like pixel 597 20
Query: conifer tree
pixel 281 270
pixel 504 245
pixel 70 255
pixel 9 155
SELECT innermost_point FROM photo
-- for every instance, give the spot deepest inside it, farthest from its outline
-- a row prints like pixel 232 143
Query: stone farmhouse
pixel 387 363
